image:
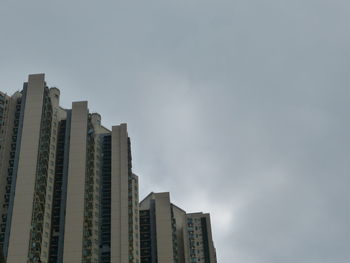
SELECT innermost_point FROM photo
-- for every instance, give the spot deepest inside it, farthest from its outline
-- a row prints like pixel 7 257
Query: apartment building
pixel 169 234
pixel 67 191
pixel 198 238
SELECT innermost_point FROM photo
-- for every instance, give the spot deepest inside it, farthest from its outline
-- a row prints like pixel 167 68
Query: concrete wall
pixel 23 201
pixel 164 228
pixel 73 240
pixel 164 234
pixel 119 196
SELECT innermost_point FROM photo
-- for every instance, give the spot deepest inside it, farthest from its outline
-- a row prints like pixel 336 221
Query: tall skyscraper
pixel 68 193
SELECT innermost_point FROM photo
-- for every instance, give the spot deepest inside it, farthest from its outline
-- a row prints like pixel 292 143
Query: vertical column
pixel 73 238
pixel 119 196
pixel 164 228
pixel 26 175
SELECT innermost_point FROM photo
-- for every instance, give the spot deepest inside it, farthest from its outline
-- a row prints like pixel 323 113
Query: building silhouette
pixel 68 193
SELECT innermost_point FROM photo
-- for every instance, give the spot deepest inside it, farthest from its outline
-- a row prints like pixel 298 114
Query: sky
pixel 239 108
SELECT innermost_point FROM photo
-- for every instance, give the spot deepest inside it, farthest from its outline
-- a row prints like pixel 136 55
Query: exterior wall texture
pixel 73 243
pixel 158 229
pixel 199 243
pixel 21 225
pixel 124 215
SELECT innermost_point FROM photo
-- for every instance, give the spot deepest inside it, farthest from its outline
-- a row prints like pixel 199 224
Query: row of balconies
pixel 11 164
pixel 9 178
pixel 40 195
pixel 88 213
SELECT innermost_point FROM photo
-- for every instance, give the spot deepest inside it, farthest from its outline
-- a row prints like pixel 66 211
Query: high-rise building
pixel 68 193
pixel 169 234
pixel 198 238
pixel 157 230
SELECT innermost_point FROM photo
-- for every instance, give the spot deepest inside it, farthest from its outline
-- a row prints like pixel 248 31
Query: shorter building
pixel 168 234
pixel 198 238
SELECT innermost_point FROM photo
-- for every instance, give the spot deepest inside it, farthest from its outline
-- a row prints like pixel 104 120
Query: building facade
pixel 169 234
pixel 198 240
pixel 68 193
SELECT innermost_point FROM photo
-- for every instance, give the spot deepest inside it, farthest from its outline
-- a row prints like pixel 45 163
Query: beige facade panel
pixel 23 201
pixel 145 203
pixel 73 239
pixel 164 228
pixel 119 196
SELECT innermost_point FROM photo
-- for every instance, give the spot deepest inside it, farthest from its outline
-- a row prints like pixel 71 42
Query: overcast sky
pixel 239 108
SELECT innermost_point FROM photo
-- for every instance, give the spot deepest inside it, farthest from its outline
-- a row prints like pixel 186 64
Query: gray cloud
pixel 239 108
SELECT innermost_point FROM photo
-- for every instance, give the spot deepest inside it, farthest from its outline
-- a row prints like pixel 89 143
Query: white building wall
pixel 73 239
pixel 23 201
pixel 119 196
